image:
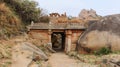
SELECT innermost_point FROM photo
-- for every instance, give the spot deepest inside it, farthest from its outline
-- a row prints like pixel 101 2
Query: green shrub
pixel 116 52
pixel 102 51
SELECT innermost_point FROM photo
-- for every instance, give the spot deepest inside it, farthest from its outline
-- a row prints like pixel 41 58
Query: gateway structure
pixel 67 33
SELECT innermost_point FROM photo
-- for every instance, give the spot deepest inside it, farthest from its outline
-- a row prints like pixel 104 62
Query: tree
pixel 27 10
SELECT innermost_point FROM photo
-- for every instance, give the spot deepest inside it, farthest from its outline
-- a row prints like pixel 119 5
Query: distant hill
pixel 88 15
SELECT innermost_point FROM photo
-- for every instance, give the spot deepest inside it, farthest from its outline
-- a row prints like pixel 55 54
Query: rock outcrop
pixel 104 33
pixel 88 15
pixel 24 54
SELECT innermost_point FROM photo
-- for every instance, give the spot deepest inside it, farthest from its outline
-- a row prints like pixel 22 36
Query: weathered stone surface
pixel 21 58
pixel 24 53
pixel 32 48
pixel 104 33
pixel 39 37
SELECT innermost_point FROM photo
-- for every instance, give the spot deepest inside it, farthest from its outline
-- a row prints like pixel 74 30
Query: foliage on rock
pixel 102 51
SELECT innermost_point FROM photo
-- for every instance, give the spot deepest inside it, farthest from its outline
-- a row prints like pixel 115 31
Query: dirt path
pixel 62 60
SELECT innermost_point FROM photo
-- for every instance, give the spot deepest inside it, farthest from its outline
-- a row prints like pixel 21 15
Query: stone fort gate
pixel 68 34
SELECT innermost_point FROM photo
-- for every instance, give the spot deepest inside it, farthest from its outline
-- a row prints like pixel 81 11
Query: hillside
pixel 10 23
pixel 10 26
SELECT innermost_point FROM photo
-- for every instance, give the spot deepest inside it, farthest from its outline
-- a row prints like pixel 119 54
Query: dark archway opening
pixel 58 41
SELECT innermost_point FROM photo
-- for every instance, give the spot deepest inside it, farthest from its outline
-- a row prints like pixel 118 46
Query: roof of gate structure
pixel 57 26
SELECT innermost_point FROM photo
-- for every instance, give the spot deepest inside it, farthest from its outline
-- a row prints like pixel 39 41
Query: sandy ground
pixel 62 60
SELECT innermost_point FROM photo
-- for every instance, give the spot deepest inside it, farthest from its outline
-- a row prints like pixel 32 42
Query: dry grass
pixel 4 9
pixel 9 22
pixel 5 54
pixel 93 59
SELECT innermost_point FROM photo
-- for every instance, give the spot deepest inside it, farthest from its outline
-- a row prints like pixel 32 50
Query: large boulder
pixel 24 54
pixel 104 33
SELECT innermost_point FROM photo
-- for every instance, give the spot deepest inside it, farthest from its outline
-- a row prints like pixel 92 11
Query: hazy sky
pixel 73 7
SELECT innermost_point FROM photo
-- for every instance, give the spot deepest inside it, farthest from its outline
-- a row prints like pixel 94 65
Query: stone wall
pixel 75 35
pixel 41 36
pixel 44 37
pixel 71 39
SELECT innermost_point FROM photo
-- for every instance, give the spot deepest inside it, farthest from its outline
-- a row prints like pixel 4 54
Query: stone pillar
pixel 49 33
pixel 49 36
pixel 68 41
